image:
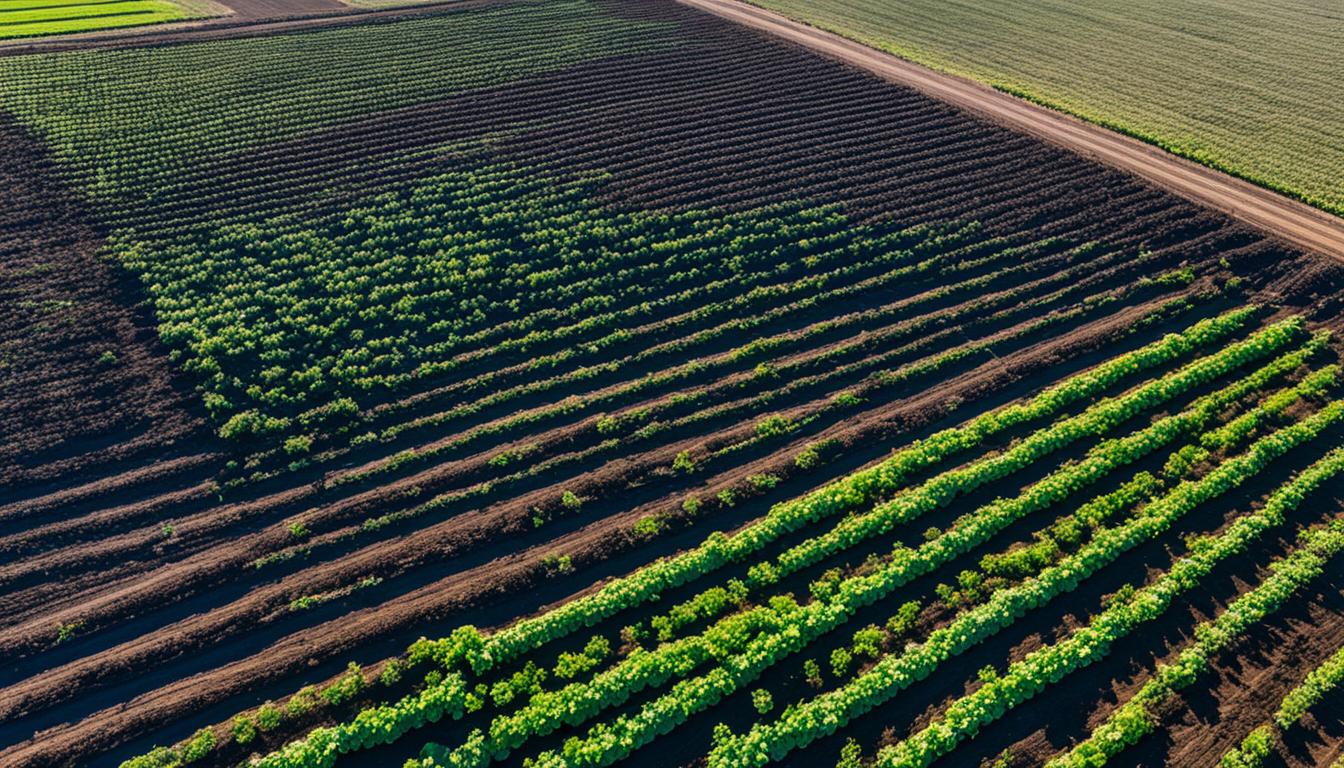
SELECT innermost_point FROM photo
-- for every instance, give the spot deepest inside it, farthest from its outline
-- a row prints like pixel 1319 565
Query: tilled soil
pixel 1248 683
pixel 84 388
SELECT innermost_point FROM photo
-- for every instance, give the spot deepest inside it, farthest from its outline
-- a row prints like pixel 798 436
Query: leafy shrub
pixel 244 730
pixel 762 701
pixel 683 463
pixel 774 425
pixel 841 658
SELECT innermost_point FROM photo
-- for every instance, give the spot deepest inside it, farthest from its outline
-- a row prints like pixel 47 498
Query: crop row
pixel 1100 460
pixel 744 409
pixel 543 714
pixel 483 654
pixel 831 711
pixel 269 390
pixel 1002 303
pixel 835 499
pixel 652 383
pixel 413 551
pixel 1087 645
pixel 1136 717
pixel 607 743
pixel 540 458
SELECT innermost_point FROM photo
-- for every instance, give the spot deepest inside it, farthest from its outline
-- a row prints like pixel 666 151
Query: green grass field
pixel 37 18
pixel 1252 87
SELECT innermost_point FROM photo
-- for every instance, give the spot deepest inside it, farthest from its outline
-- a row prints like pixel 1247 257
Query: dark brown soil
pixel 84 389
pixel 1248 683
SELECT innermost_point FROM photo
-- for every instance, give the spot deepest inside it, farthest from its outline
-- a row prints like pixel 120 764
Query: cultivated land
pixel 38 18
pixel 1249 86
pixel 586 382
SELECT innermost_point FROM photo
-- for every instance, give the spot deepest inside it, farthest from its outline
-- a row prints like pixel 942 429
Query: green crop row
pixel 1097 420
pixel 482 654
pixel 607 744
pixel 577 703
pixel 1087 645
pixel 835 499
pixel 827 713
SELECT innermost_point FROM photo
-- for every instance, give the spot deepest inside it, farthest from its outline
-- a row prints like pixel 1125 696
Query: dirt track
pixel 1295 222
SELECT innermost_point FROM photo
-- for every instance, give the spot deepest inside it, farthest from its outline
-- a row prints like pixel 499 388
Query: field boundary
pixel 1281 216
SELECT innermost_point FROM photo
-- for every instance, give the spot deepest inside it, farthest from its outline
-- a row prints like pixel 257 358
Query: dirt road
pixel 1295 222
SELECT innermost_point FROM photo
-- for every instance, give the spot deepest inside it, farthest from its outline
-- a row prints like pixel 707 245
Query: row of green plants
pixel 693 505
pixel 471 651
pixel 1033 675
pixel 650 384
pixel 496 394
pixel 220 339
pixel 1238 429
pixel 774 427
pixel 700 368
pixel 536 464
pixel 1137 717
pixel 904 375
pixel 829 712
pixel 1097 420
pixel 716 600
pixel 642 424
pixel 280 323
pixel 841 497
pixel 579 703
pixel 766 429
pixel 866 641
pixel 606 743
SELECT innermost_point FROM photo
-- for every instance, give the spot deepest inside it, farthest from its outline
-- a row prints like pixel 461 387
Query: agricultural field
pixel 38 18
pixel 600 382
pixel 1251 87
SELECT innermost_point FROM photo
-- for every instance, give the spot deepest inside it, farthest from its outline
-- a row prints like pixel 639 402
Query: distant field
pixel 1255 88
pixel 37 18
